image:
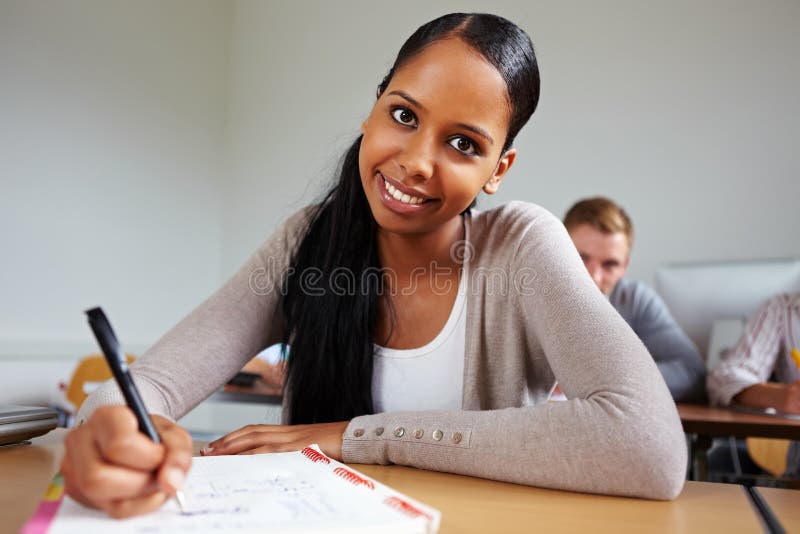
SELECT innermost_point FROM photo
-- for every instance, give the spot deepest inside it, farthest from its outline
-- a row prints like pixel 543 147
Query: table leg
pixel 699 454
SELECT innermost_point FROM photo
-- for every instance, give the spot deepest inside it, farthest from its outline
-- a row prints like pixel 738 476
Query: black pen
pixel 107 340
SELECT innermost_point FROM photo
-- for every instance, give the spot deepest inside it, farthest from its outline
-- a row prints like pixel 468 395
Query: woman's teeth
pixel 399 195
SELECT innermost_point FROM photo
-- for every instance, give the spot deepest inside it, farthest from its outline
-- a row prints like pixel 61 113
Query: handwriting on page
pixel 289 492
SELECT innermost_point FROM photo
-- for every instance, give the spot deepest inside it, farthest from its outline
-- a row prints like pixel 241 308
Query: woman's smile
pixel 399 198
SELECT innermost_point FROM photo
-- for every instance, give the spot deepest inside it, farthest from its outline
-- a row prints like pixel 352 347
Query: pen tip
pixel 181 501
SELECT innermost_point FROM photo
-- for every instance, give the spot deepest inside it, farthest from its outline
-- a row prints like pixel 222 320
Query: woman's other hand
pixel 256 439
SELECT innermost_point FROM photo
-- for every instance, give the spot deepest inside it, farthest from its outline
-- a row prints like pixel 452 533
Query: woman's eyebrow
pixel 480 131
pixel 406 96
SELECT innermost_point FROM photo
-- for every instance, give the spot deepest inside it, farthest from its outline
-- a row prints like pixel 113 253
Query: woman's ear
pixel 506 161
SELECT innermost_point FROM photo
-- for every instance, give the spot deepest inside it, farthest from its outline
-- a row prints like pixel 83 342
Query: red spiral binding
pixel 315 456
pixel 353 478
pixel 406 507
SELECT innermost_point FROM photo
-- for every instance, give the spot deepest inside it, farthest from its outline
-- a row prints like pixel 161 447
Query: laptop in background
pixel 20 423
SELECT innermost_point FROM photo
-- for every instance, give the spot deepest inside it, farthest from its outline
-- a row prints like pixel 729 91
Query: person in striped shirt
pixel 764 352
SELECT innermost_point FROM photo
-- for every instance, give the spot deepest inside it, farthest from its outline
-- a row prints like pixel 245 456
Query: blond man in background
pixel 603 234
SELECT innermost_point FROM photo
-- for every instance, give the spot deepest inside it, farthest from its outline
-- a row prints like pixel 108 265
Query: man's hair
pixel 601 213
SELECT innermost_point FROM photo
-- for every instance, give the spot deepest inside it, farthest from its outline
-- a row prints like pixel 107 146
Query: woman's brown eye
pixel 404 116
pixel 464 145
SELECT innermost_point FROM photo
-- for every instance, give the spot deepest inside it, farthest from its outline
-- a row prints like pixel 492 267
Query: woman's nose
pixel 418 156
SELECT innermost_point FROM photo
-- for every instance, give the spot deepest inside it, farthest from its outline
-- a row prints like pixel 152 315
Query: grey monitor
pixel 697 294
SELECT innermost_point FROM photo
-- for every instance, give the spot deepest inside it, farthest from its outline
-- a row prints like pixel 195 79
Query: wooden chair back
pixel 90 371
pixel 769 454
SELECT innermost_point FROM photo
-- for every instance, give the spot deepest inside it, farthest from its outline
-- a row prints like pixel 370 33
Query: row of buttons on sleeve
pixel 399 432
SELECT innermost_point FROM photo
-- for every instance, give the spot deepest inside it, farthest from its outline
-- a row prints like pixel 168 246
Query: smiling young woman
pixel 435 138
pixel 422 332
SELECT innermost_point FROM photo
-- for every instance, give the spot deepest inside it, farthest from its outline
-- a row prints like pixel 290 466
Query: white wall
pixel 683 111
pixel 111 141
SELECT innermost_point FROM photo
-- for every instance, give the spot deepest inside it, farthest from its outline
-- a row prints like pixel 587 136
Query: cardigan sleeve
pixel 206 348
pixel 618 434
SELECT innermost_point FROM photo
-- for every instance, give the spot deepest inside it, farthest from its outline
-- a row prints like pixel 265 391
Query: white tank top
pixel 429 377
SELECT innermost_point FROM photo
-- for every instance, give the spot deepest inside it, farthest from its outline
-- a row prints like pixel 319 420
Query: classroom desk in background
pixel 233 407
pixel 260 393
pixel 467 504
pixel 705 423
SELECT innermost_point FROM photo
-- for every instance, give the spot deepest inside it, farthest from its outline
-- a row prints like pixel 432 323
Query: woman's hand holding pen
pixel 256 439
pixel 110 465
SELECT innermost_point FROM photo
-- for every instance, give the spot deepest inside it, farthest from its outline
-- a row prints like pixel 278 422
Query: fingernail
pixel 206 450
pixel 175 478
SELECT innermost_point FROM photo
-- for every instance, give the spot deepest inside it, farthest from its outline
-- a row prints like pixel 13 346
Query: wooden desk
pixel 706 423
pixel 475 505
pixel 709 421
pixel 785 505
pixel 467 504
pixel 26 472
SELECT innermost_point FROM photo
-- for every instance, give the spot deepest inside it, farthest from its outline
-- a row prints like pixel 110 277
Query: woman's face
pixel 434 139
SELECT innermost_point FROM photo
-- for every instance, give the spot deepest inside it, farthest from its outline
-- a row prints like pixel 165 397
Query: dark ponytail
pixel 334 284
pixel 330 305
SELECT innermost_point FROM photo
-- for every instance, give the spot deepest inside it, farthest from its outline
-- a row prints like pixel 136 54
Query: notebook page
pixel 297 492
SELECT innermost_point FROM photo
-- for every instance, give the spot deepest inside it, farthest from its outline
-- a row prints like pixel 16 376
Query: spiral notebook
pixel 297 492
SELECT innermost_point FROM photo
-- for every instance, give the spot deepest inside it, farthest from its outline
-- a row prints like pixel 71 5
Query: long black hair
pixel 332 291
